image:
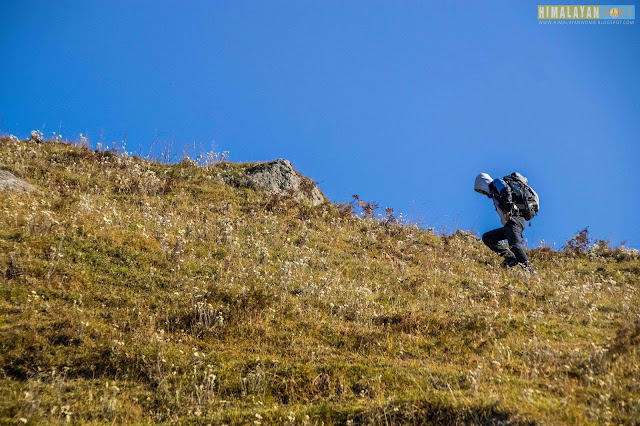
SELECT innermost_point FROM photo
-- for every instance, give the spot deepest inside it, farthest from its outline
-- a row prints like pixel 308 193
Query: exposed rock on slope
pixel 280 178
pixel 9 182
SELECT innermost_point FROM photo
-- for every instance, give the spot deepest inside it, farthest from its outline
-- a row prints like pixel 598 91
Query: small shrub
pixel 368 208
pixel 579 243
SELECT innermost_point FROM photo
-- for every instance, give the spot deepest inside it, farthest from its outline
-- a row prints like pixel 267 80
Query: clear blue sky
pixel 401 102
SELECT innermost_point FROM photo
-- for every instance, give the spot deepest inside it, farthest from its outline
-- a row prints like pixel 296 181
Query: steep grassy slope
pixel 132 291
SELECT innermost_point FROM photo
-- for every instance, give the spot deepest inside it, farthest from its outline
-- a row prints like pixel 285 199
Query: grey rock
pixel 280 178
pixel 9 182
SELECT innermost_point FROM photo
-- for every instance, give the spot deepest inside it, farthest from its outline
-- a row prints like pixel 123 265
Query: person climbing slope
pixel 516 202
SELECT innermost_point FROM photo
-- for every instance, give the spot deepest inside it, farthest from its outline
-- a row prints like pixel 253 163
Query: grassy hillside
pixel 134 291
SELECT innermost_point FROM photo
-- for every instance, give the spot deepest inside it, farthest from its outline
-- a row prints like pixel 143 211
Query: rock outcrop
pixel 9 182
pixel 280 178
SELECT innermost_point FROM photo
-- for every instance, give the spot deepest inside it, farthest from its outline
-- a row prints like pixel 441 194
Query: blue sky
pixel 401 102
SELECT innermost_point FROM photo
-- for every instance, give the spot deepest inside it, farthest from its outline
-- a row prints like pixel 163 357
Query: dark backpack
pixel 525 198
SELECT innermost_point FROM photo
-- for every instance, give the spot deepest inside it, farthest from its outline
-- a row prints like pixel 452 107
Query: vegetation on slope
pixel 134 291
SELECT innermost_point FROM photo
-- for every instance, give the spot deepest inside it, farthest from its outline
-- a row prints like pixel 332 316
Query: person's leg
pixel 513 232
pixel 492 240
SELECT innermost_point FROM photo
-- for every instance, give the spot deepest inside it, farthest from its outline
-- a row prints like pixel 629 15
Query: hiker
pixel 514 210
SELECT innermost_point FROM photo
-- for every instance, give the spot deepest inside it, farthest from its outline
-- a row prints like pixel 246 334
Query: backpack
pixel 523 196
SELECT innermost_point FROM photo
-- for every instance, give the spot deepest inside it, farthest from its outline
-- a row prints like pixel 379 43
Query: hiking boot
pixel 528 269
pixel 508 262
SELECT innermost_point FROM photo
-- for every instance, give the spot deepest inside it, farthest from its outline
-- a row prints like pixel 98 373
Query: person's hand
pixel 508 216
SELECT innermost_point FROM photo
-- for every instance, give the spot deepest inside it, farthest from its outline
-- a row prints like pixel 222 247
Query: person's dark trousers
pixel 512 232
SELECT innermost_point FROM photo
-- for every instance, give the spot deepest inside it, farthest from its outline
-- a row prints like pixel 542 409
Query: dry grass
pixel 135 292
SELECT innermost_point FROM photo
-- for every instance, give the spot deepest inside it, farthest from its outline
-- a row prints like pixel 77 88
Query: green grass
pixel 140 292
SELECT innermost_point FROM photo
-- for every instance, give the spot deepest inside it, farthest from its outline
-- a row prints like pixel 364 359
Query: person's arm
pixel 505 199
